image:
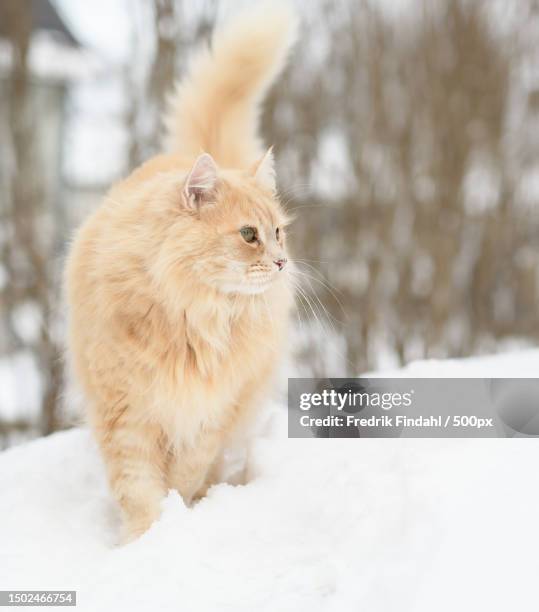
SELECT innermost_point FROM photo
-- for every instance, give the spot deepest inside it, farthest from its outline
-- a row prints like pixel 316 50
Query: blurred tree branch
pixel 27 259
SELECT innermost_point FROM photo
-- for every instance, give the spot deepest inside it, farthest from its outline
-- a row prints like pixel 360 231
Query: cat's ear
pixel 264 171
pixel 199 185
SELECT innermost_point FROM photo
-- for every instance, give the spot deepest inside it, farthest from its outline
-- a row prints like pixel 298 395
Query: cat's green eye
pixel 248 233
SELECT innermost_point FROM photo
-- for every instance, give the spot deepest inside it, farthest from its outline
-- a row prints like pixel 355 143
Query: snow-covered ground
pixel 335 524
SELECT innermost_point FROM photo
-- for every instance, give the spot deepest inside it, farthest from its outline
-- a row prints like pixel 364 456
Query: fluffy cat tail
pixel 216 106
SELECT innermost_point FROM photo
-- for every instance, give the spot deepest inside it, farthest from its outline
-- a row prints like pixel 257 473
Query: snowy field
pixel 374 525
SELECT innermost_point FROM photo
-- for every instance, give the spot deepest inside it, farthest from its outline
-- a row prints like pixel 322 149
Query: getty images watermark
pixel 413 407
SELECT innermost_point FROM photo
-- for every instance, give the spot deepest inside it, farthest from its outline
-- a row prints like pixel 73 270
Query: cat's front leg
pixel 190 467
pixel 135 462
pixel 212 478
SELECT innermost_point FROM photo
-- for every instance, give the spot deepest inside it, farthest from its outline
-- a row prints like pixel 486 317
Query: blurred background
pixel 406 136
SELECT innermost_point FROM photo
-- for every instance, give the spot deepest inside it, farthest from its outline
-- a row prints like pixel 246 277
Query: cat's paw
pixel 134 528
pixel 201 493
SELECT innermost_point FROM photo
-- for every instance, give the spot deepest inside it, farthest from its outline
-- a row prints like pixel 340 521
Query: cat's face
pixel 248 249
pixel 233 231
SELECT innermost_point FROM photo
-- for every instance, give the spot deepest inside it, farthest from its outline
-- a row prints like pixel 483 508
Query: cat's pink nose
pixel 280 263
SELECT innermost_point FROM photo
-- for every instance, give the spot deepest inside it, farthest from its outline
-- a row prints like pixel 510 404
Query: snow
pixel 322 524
pixel 520 364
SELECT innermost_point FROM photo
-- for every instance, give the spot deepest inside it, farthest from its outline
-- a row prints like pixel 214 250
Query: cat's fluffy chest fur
pixel 215 353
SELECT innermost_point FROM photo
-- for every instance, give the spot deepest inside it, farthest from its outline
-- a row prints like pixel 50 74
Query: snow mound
pixel 335 524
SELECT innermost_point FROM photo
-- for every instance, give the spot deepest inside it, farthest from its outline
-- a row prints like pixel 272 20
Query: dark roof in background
pixel 44 17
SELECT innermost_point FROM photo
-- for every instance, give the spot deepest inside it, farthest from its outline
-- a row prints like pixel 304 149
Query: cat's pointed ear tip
pixel 204 166
pixel 200 182
pixel 205 158
pixel 264 170
pixel 268 157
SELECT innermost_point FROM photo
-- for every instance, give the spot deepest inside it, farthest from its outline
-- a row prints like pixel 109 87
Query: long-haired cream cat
pixel 178 303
